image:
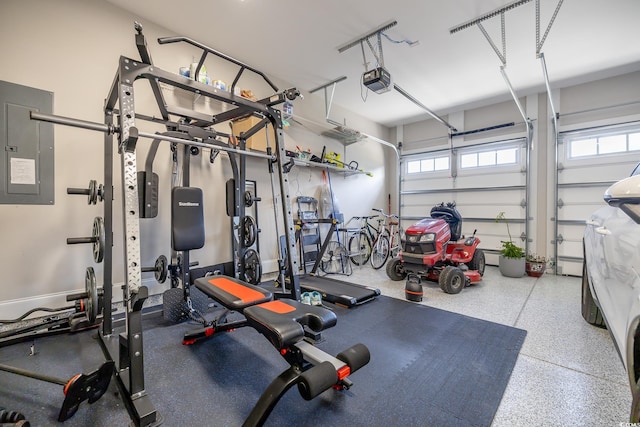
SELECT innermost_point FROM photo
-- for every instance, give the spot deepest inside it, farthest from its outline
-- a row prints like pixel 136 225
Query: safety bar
pixel 206 49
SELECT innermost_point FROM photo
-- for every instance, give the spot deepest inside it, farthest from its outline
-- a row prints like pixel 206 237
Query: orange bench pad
pixel 245 294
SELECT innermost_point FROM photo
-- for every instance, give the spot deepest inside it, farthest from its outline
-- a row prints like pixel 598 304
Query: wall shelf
pixel 344 170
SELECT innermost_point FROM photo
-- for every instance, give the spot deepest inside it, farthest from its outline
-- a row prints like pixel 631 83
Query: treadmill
pixel 335 291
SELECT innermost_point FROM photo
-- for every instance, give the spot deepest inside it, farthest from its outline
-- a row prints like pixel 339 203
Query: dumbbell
pixel 95 192
pixel 12 418
pixel 97 239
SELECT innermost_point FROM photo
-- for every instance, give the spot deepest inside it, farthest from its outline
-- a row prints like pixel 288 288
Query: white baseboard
pixel 12 309
pixel 15 308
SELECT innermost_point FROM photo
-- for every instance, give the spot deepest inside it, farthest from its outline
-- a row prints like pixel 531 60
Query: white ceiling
pixel 298 40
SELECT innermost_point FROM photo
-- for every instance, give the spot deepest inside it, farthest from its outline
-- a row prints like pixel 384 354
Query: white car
pixel 611 275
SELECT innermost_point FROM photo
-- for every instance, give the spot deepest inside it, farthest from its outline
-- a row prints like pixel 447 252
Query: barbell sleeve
pixel 83 191
pixel 78 240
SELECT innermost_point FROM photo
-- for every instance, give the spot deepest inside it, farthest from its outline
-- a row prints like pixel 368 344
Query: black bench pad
pixel 281 321
pixel 232 293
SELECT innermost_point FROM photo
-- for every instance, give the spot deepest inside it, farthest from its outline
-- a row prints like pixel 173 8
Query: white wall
pixel 71 47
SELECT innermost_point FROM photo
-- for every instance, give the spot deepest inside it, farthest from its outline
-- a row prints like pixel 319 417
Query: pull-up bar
pixel 100 127
pixel 207 49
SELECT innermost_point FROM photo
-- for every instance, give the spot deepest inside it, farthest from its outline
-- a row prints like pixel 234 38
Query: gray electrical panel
pixel 26 159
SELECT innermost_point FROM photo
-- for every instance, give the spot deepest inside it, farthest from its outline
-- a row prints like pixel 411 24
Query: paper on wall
pixel 23 171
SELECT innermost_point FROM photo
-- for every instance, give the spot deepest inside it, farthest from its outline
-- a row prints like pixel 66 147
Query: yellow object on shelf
pixel 333 158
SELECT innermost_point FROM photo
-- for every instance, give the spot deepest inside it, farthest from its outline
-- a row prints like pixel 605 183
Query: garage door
pixel 589 161
pixel 483 179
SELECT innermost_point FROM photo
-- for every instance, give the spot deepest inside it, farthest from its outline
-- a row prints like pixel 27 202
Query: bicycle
pixel 389 240
pixel 359 239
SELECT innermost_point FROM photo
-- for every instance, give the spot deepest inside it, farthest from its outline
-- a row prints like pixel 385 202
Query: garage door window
pixel 428 164
pixel 507 156
pixel 603 141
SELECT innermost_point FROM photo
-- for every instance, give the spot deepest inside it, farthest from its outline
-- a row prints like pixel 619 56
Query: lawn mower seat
pixel 450 214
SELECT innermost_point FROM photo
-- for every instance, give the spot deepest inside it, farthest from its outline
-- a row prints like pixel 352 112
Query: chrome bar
pixel 421 105
pixel 68 121
pixel 100 127
pixel 338 80
pixel 546 82
pixel 513 94
pixel 205 145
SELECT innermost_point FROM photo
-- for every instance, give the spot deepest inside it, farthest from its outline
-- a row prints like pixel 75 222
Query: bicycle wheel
pixel 379 252
pixel 359 248
pixel 335 259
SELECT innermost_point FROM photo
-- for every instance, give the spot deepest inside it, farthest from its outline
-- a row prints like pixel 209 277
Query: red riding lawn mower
pixel 434 249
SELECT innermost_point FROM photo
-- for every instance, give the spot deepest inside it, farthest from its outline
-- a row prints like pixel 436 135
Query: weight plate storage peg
pixel 97 239
pixel 160 269
pixel 89 301
pixel 94 192
pixel 249 199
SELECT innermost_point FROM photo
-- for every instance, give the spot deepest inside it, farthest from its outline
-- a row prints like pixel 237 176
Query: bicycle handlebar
pixel 384 214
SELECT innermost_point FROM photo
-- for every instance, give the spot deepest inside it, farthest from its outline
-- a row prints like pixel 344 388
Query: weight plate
pixel 252 267
pixel 161 269
pixel 248 199
pixel 250 231
pixel 99 237
pixel 92 294
pixel 100 192
pixel 93 192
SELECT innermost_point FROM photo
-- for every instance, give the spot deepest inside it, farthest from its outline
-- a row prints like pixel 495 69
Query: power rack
pixel 192 128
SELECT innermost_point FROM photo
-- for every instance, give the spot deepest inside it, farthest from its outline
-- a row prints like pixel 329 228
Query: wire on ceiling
pixel 409 42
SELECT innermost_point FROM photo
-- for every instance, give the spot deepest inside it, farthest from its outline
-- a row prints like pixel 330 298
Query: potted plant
pixel 535 265
pixel 512 257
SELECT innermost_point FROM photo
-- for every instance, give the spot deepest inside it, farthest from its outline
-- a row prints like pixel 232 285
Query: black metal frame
pixel 126 349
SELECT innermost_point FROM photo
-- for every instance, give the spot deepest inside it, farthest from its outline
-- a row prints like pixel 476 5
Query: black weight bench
pixel 284 323
pixel 289 325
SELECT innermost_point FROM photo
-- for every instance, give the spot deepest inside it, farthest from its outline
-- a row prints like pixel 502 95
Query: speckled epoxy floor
pixel 568 372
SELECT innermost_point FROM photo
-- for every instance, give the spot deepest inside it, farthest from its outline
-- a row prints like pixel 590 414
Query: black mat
pixel 428 367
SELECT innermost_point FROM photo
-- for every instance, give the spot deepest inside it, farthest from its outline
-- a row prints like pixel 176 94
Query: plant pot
pixel 535 269
pixel 511 267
